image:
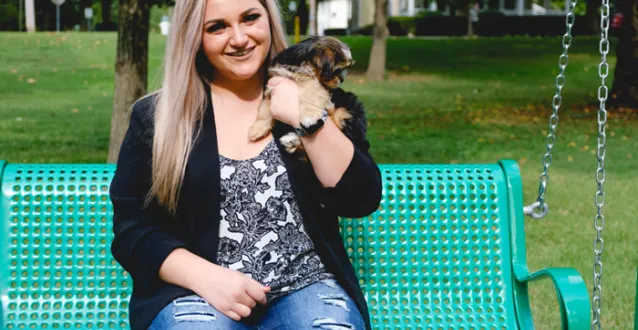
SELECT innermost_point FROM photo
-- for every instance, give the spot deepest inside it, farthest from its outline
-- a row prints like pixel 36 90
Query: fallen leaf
pixel 570 158
pixel 628 156
pixel 75 110
pixel 31 81
pixel 612 134
pixel 572 144
pixel 14 71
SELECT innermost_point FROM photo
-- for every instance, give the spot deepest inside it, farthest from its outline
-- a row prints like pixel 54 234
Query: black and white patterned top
pixel 261 229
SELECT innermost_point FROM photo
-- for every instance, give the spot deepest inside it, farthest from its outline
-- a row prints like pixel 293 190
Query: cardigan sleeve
pixel 142 235
pixel 358 192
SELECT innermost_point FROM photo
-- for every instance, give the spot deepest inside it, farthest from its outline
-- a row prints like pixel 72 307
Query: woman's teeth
pixel 241 52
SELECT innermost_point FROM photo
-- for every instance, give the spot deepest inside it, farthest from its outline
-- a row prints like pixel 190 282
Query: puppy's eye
pixel 215 27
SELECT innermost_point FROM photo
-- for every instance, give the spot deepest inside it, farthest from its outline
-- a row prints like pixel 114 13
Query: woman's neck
pixel 246 90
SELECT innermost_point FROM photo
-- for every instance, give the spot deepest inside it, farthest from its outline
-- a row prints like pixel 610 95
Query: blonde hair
pixel 181 102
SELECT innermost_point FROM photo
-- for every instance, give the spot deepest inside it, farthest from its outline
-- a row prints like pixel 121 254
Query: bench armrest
pixel 571 292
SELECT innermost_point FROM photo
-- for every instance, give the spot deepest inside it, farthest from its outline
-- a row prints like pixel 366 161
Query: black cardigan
pixel 144 237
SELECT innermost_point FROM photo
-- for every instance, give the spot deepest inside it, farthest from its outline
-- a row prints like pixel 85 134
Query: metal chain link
pixel 599 219
pixel 539 208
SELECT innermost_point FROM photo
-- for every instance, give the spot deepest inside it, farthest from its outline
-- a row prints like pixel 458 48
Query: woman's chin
pixel 244 74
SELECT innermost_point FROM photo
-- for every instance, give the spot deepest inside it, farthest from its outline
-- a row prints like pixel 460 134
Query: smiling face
pixel 236 37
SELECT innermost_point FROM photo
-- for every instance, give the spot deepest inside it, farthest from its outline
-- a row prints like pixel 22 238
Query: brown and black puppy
pixel 318 65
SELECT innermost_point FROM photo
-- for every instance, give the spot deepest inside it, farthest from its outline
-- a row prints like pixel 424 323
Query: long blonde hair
pixel 181 102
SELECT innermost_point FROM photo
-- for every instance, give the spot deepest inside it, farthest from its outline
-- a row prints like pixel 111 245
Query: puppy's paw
pixel 291 142
pixel 258 130
pixel 340 116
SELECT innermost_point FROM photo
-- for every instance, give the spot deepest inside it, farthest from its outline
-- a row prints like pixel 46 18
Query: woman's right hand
pixel 229 291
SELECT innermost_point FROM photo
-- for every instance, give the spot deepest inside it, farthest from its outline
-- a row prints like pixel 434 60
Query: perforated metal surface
pixel 436 254
pixel 58 272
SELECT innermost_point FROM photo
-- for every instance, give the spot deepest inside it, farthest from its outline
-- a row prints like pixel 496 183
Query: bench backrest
pixel 436 254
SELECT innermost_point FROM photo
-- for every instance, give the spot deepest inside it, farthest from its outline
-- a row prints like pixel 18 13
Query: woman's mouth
pixel 241 53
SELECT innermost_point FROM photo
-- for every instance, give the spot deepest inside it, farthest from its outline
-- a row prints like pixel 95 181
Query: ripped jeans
pixel 322 305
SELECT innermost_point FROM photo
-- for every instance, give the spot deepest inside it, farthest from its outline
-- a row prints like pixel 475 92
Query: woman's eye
pixel 252 17
pixel 214 28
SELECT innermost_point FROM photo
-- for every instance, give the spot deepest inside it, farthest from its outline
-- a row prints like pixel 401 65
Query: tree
pixel 591 16
pixel 312 18
pixel 131 67
pixel 376 65
pixel 353 24
pixel 624 91
pixel 106 11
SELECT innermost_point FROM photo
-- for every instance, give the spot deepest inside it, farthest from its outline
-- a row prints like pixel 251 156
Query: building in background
pixel 354 14
pixel 344 14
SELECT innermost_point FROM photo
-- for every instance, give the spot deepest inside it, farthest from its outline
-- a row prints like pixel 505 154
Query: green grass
pixel 445 101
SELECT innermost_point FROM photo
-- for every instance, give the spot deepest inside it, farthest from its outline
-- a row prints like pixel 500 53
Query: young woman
pixel 220 232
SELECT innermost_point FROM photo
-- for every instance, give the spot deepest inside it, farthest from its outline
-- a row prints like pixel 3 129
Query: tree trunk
pixel 312 18
pixel 592 15
pixel 130 67
pixel 376 66
pixel 302 12
pixel 625 88
pixel 106 11
pixel 354 21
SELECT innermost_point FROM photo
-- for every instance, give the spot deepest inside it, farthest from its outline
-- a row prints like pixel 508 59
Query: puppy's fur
pixel 318 65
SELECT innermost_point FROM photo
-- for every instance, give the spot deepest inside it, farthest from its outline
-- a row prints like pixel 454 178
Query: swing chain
pixel 539 208
pixel 599 219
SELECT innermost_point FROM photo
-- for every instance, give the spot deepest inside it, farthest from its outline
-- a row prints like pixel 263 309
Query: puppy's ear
pixel 322 60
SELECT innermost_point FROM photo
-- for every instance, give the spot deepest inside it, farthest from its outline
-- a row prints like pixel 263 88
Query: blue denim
pixel 322 305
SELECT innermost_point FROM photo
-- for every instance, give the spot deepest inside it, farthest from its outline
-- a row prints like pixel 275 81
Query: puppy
pixel 318 65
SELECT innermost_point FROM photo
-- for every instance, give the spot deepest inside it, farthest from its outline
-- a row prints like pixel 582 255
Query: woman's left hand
pixel 284 102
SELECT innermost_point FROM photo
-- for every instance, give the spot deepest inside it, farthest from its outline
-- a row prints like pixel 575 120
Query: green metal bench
pixel 446 250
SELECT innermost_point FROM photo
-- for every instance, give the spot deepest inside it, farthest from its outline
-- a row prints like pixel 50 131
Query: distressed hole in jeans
pixel 194 316
pixel 328 323
pixel 190 301
pixel 338 300
pixel 331 283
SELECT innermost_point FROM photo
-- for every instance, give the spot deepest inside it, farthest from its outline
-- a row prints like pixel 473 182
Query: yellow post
pixel 297 29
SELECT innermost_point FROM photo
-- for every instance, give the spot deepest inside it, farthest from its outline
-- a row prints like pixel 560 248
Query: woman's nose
pixel 239 37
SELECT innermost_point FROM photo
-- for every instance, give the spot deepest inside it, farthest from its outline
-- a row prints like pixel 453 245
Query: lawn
pixel 444 101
